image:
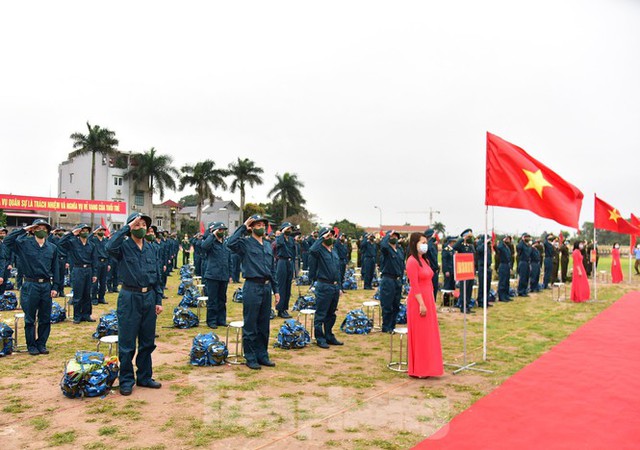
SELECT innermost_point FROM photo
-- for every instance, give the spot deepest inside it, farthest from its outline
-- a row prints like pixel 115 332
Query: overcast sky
pixel 370 103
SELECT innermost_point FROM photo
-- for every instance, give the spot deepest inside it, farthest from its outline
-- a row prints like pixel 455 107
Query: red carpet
pixel 583 394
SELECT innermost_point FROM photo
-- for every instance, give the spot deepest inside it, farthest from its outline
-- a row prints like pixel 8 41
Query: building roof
pixel 171 204
pixel 399 228
pixel 210 209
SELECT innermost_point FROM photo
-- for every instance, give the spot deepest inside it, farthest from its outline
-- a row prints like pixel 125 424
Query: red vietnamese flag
pixel 606 217
pixel 107 233
pixel 201 227
pixel 269 229
pixel 636 223
pixel 561 237
pixel 516 180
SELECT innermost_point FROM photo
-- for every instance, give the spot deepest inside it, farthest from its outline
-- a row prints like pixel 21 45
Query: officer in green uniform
pixel 139 301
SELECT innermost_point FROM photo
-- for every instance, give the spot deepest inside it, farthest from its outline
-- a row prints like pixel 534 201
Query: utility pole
pixel 431 213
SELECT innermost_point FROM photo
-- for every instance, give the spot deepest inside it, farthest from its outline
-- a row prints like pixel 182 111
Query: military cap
pixel 135 215
pixel 285 225
pixel 466 232
pixel 325 230
pixel 259 218
pixel 429 232
pixel 42 222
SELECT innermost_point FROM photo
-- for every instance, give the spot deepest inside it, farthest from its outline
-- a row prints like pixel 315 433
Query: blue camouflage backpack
pixel 305 302
pixel 107 325
pixel 292 334
pixel 356 322
pixel 58 313
pixel 208 350
pixel 6 339
pixel 184 318
pixel 8 302
pixel 401 318
pixel 237 295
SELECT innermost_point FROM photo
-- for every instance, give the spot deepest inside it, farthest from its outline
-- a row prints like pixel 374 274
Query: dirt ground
pixel 344 397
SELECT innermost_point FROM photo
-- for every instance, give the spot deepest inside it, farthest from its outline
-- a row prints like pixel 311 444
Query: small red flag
pixel 609 218
pixel 493 238
pixel 437 235
pixel 201 227
pixel 516 180
pixel 336 231
pixel 269 229
pixel 107 233
pixel 561 236
pixel 635 222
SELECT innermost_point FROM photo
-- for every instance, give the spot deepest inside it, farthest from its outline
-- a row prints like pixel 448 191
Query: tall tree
pixel 156 170
pixel 439 227
pixel 287 190
pixel 97 140
pixel 244 171
pixel 204 177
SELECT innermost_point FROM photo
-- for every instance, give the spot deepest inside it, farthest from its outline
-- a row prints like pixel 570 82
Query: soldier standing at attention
pixel 139 301
pixel 41 281
pixel 449 283
pixel 102 266
pixel 216 273
pixel 465 244
pixel 286 252
pixel 259 274
pixel 524 264
pixel 369 251
pixel 85 258
pixel 392 268
pixel 325 264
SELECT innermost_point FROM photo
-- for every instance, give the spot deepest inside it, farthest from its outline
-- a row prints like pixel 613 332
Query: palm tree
pixel 154 169
pixel 98 140
pixel 439 227
pixel 204 177
pixel 244 171
pixel 287 190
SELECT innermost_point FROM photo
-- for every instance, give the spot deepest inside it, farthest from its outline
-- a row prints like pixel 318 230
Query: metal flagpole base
pixel 467 367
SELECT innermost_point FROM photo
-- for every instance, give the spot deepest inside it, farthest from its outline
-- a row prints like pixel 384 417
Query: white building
pixel 74 181
pixel 219 211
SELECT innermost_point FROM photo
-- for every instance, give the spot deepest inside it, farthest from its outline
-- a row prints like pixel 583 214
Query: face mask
pixel 1 238
pixel 580 246
pixel 41 234
pixel 287 233
pixel 150 237
pixel 100 234
pixel 393 240
pixel 139 233
pixel 84 234
pixel 328 242
pixel 59 234
pixel 617 246
pixel 259 231
pixel 220 234
pixel 422 248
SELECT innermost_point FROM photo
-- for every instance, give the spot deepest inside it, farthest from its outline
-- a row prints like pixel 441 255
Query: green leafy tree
pixel 244 172
pixel 287 191
pixel 97 140
pixel 349 228
pixel 3 219
pixel 439 227
pixel 189 200
pixel 154 169
pixel 253 208
pixel 204 178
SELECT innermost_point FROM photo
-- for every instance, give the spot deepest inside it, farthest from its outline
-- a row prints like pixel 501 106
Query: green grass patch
pixel 62 438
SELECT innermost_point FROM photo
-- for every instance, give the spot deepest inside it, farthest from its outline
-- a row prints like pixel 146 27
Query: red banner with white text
pixel 61 204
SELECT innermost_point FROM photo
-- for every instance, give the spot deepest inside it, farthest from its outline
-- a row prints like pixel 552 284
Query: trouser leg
pixel 146 337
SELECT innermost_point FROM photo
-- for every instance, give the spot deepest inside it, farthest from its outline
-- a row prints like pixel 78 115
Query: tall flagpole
pixel 484 287
pixel 630 250
pixel 593 264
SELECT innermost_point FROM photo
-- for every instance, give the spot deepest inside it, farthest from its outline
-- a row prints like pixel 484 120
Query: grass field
pixel 344 397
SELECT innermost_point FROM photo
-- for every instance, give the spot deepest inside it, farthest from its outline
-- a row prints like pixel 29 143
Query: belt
pixel 136 288
pixel 82 266
pixel 393 277
pixel 285 259
pixel 102 259
pixel 259 280
pixel 323 280
pixel 37 280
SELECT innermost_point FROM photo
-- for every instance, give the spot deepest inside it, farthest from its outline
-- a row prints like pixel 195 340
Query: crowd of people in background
pixel 92 263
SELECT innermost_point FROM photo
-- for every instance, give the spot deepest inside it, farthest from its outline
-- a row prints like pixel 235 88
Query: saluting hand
pixel 76 231
pixel 248 222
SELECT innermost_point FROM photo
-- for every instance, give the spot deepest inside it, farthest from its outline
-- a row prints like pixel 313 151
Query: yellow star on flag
pixel 536 181
pixel 613 215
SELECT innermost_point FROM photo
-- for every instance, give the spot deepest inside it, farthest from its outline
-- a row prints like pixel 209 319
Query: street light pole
pixel 431 213
pixel 380 211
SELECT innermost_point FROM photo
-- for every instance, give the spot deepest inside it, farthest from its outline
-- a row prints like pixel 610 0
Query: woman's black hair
pixel 412 248
pixel 576 245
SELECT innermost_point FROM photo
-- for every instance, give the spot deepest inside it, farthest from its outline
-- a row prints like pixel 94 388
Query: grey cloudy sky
pixel 370 103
